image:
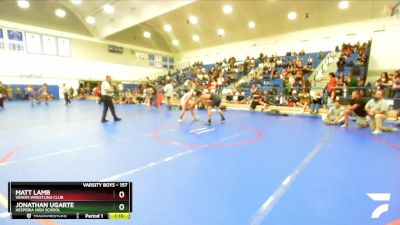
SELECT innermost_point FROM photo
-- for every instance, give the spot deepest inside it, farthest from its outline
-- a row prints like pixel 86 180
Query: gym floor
pixel 252 169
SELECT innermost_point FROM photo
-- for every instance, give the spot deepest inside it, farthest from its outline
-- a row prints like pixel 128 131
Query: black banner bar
pixel 60 216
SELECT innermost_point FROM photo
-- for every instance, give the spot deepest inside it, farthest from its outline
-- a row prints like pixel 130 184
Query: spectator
pixel 97 93
pixel 228 95
pixel 331 100
pixel 309 62
pixel 341 63
pixel 44 93
pixel 357 110
pixel 341 80
pixel 18 93
pixel 316 103
pixel 127 97
pixel 352 82
pixel 293 100
pixel 331 85
pixel 258 100
pixel 360 81
pixel 120 88
pixel 3 94
pixel 254 91
pixel 320 55
pixel 71 92
pixel 384 83
pixel 335 114
pixel 169 90
pixel 305 98
pixel 65 91
pixel 9 93
pixel 396 91
pixel 377 109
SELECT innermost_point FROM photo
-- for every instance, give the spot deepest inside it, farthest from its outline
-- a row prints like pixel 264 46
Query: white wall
pixel 90 60
pixel 324 38
pixel 385 49
pixel 22 68
pixel 15 65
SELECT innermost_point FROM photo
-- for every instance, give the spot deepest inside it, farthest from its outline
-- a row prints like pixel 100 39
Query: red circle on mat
pixel 257 137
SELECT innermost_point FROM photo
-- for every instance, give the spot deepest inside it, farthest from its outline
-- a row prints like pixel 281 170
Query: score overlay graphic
pixel 70 200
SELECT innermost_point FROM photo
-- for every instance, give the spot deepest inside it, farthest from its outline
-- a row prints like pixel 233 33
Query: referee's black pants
pixel 66 98
pixel 107 103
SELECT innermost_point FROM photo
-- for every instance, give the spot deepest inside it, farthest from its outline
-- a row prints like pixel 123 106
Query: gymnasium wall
pixel 385 52
pixel 90 60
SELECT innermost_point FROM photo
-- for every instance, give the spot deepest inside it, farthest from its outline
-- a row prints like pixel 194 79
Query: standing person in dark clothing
pixel 107 93
pixel 396 91
pixel 66 94
pixel 153 97
pixel 357 109
pixel 3 94
pixel 211 101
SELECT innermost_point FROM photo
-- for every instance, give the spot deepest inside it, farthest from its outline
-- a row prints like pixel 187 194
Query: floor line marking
pixel 267 206
pixel 374 137
pixel 46 155
pixel 192 131
pixel 205 131
pixel 34 140
pixel 4 215
pixel 71 150
pixel 164 160
pixel 3 201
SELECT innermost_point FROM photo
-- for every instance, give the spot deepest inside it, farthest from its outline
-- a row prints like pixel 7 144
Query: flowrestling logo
pixel 380 197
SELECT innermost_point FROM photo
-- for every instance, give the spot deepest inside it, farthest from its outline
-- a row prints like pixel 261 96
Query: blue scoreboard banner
pixel 15 35
pixel 15 40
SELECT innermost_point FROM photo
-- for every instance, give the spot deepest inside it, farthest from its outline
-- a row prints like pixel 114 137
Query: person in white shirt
pixel 169 91
pixel 106 97
pixel 377 109
pixel 335 114
pixel 120 89
pixel 65 91
pixel 187 105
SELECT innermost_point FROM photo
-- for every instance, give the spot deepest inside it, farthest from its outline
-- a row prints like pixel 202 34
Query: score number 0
pixel 121 194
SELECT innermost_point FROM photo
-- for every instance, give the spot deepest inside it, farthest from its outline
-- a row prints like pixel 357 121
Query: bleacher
pixel 278 84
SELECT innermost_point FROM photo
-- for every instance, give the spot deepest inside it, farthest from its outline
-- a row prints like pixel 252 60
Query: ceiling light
pixel 193 20
pixel 220 32
pixel 76 2
pixel 147 34
pixel 175 42
pixel 90 20
pixel 292 15
pixel 167 27
pixel 252 24
pixel 60 13
pixel 227 9
pixel 343 4
pixel 23 4
pixel 196 38
pixel 109 9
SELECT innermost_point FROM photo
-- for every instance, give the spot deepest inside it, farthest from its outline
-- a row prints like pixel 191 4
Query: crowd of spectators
pixel 35 94
pixel 290 85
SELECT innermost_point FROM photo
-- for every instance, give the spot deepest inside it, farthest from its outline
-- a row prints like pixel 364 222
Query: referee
pixel 106 97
